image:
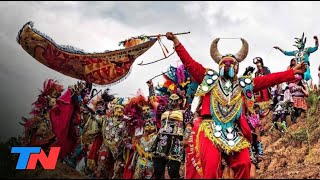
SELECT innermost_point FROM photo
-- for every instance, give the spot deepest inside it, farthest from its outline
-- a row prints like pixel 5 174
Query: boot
pixel 259 148
pixel 284 127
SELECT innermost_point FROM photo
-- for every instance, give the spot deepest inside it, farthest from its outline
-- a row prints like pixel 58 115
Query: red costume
pixel 209 154
pixel 60 116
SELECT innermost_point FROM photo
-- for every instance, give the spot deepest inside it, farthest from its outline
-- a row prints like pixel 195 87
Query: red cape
pixel 190 170
pixel 60 117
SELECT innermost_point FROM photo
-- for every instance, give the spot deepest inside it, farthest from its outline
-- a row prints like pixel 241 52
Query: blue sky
pixel 99 26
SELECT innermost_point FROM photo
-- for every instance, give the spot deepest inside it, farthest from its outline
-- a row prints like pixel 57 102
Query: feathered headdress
pixel 300 42
pixel 136 103
pixel 50 88
pixel 178 80
pixel 106 97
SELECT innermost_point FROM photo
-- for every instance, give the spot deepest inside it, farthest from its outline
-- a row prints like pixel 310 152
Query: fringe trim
pixel 142 153
pixel 66 48
pixel 30 23
pixel 205 126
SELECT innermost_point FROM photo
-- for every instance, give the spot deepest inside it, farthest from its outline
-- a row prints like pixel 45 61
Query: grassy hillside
pixel 297 153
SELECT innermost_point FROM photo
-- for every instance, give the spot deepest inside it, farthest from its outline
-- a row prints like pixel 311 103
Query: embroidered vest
pixel 226 108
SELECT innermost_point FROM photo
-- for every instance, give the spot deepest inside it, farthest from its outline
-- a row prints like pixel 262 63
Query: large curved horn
pixel 242 54
pixel 214 52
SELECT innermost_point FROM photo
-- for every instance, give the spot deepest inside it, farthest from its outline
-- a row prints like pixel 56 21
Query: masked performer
pixel 143 164
pixel 302 54
pixel 81 96
pixel 224 128
pixel 92 134
pixel 39 130
pixel 139 110
pixel 263 95
pixel 114 136
pixel 175 128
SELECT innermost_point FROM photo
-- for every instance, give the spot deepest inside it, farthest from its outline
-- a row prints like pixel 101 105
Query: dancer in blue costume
pixel 302 54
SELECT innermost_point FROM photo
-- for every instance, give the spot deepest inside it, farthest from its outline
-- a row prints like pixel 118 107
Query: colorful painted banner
pixel 99 68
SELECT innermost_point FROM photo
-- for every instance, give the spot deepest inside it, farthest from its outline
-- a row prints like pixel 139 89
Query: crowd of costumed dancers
pixel 146 135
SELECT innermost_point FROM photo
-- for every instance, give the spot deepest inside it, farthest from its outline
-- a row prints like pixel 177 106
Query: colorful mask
pixel 228 62
pixel 173 100
pixel 300 42
pixel 52 101
pixel 149 127
pixel 146 110
pixel 118 110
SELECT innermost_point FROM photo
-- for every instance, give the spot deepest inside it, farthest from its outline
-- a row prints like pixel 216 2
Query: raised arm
pixel 313 49
pixel 266 81
pixel 263 82
pixel 287 53
pixel 196 69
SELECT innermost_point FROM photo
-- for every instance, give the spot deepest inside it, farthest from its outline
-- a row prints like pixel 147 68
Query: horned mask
pixel 228 60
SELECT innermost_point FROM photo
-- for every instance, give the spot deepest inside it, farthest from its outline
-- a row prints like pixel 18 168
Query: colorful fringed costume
pixel 114 129
pixel 92 136
pixel 175 118
pixel 169 148
pixel 140 112
pixel 254 121
pixel 38 129
pixel 142 162
pixel 224 128
pixel 81 96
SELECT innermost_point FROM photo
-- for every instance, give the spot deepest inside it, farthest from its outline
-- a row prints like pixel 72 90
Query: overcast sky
pixel 99 26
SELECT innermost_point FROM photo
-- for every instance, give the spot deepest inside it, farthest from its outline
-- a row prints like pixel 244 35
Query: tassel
pixel 231 72
pixel 162 48
pixel 221 71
